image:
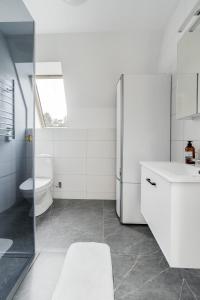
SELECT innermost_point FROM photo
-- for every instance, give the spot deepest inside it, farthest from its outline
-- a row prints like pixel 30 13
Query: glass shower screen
pixel 16 144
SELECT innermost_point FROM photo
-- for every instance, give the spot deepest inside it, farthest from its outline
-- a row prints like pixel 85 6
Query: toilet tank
pixel 44 166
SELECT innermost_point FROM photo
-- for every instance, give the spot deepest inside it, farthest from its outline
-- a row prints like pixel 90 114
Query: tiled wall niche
pixel 84 161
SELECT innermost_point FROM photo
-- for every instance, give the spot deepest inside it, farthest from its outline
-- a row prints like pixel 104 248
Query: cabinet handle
pixel 149 181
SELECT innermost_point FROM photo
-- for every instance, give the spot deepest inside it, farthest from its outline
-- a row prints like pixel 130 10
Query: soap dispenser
pixel 189 153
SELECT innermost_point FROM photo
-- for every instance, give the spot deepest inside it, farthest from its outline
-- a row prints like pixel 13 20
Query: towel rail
pixel 4 93
pixel 7 112
pixel 5 101
pixel 5 123
pixel 6 82
pixel 7 135
pixel 7 116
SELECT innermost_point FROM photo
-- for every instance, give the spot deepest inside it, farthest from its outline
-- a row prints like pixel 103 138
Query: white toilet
pixel 43 184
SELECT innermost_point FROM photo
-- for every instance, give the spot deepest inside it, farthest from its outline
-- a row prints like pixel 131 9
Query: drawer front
pixel 155 207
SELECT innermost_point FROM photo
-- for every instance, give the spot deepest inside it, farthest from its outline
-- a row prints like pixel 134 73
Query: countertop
pixel 174 171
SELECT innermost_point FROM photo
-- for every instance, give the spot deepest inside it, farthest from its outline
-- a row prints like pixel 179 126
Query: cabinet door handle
pixel 149 181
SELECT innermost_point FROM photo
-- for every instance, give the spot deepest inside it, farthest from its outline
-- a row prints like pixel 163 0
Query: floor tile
pixel 164 286
pixel 11 269
pixel 130 240
pixel 140 270
pixel 70 222
pixel 41 280
pixel 126 239
pixel 122 264
pixel 192 277
pixel 186 293
pixel 144 270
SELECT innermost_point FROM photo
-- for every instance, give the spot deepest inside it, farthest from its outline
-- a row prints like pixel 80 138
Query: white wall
pixel 182 130
pixel 84 154
pixel 92 64
pixel 84 161
pixel 168 55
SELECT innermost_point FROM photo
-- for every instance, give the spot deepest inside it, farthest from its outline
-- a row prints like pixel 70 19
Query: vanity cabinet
pixel 155 207
pixel 172 212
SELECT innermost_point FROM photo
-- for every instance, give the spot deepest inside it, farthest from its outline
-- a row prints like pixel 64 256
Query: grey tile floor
pixel 17 226
pixel 140 270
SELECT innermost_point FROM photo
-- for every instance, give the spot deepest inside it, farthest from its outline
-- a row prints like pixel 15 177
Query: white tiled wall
pixel 84 161
pixel 182 131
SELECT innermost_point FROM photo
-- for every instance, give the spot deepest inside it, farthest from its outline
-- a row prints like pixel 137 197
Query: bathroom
pixel 72 198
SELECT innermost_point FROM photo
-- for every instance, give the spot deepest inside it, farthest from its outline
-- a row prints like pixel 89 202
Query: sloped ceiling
pixel 56 16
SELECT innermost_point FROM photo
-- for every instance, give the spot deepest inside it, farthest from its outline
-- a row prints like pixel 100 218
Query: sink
pixel 174 171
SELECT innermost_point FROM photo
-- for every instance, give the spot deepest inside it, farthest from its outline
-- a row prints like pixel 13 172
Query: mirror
pixel 188 70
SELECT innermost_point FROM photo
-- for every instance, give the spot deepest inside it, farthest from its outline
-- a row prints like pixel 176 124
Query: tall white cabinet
pixel 143 134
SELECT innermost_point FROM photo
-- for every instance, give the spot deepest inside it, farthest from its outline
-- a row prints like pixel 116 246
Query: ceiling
pixel 56 16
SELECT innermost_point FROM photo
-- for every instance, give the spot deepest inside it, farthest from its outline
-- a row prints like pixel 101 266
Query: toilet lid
pixel 40 183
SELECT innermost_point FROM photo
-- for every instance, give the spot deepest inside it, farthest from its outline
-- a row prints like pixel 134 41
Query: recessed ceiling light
pixel 74 2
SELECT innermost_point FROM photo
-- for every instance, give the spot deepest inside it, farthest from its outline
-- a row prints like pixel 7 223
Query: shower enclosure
pixel 16 143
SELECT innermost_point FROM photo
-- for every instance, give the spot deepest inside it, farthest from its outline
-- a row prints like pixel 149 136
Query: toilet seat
pixel 40 184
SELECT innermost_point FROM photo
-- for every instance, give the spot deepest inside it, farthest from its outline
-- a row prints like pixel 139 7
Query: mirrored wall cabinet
pixel 188 76
pixel 187 96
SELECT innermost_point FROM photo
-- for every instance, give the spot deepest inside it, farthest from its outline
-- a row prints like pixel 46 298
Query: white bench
pixel 86 274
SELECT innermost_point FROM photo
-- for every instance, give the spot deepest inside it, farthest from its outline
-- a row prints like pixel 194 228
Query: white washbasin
pixel 174 172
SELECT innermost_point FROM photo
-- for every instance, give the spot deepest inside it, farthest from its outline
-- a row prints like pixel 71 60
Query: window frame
pixel 38 101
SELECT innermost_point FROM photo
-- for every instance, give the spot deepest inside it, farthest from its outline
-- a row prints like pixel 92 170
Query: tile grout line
pixel 152 278
pixel 111 234
pixel 127 273
pixel 193 294
pixel 146 282
pixel 181 291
